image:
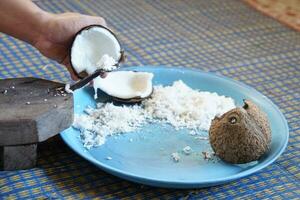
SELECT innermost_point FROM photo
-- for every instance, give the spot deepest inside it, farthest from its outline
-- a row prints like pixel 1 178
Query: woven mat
pixel 285 11
pixel 224 37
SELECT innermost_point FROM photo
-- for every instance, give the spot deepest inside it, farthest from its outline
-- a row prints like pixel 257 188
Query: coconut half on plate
pixel 125 86
pixel 95 47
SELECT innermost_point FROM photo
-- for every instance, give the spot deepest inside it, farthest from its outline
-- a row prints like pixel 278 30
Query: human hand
pixel 57 34
pixel 51 34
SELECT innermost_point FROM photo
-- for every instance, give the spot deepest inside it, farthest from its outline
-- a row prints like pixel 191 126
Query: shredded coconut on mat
pixel 178 105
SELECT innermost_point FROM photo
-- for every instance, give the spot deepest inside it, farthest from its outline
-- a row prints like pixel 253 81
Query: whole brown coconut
pixel 241 135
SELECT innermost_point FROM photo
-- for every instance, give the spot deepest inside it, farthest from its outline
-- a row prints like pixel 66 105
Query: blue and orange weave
pixel 224 37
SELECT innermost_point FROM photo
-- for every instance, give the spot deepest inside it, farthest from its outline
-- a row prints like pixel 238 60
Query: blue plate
pixel 144 156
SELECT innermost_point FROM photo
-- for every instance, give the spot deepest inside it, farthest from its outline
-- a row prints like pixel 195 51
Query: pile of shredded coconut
pixel 107 119
pixel 183 107
pixel 178 105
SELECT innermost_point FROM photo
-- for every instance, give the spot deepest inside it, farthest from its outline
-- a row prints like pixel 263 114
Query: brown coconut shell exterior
pixel 259 117
pixel 241 135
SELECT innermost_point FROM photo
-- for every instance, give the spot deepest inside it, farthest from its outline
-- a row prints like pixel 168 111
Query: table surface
pixel 223 37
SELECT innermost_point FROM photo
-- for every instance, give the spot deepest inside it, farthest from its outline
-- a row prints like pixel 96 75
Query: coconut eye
pixel 233 120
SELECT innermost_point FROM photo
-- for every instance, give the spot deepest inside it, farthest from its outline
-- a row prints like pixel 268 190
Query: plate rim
pixel 182 183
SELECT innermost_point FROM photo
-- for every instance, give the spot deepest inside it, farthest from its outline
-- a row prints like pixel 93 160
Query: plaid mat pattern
pixel 224 37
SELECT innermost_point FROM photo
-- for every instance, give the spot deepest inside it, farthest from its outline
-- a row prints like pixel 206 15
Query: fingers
pixel 56 52
pixel 66 62
pixel 100 20
pixel 87 20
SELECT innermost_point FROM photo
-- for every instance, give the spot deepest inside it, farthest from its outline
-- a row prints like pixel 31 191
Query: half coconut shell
pixel 92 43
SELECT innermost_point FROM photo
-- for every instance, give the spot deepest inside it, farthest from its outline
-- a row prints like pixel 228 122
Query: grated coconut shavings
pixel 175 156
pixel 107 63
pixel 187 150
pixel 107 119
pixel 183 107
pixel 178 105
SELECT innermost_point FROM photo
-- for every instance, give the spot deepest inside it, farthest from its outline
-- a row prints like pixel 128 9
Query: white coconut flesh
pixel 95 48
pixel 125 84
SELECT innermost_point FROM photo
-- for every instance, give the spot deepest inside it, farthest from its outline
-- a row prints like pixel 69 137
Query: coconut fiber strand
pixel 223 37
